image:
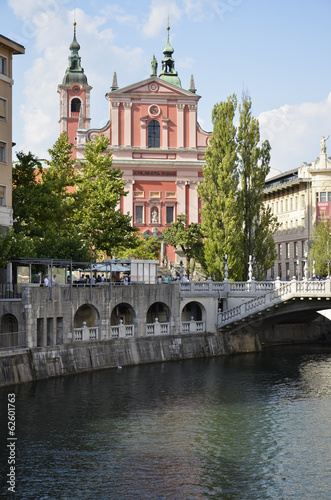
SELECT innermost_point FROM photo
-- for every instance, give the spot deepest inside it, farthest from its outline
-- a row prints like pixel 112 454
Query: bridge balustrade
pixel 85 333
pixel 157 328
pixel 121 331
pixel 193 326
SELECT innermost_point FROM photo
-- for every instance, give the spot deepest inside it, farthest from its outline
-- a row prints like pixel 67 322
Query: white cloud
pixel 121 16
pixel 294 132
pixel 100 58
pixel 158 17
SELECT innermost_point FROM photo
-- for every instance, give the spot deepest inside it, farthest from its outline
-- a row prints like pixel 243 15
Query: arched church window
pixel 75 105
pixel 153 134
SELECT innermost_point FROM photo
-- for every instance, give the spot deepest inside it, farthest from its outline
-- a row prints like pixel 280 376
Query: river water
pixel 252 426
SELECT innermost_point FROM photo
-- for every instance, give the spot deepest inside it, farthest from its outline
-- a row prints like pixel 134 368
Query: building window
pixel 154 215
pixel 3 108
pixel 138 194
pixel 2 196
pixel 286 205
pixel 296 203
pixel 280 270
pixel 291 203
pixel 276 211
pixel 296 249
pixel 303 204
pixel 287 248
pixel 139 214
pixel 3 152
pixel 75 105
pixel 169 215
pixel 154 194
pixel 287 270
pixel 3 65
pixel 154 134
pixel 323 196
pixel 280 251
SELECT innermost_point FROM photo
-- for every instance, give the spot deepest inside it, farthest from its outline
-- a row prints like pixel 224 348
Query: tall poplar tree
pixel 234 220
pixel 258 224
pixel 218 192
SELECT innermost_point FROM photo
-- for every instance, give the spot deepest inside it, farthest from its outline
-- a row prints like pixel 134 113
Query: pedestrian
pixel 46 280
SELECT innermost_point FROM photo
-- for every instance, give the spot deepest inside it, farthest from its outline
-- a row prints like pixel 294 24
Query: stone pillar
pixel 194 202
pixel 165 123
pixel 128 199
pixel 115 123
pixel 193 126
pixel 181 197
pixel 143 137
pixel 180 125
pixel 127 123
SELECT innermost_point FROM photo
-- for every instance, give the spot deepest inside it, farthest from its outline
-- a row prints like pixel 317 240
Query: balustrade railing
pixel 157 328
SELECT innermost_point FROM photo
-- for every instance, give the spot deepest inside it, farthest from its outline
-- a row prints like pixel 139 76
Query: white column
pixel 180 125
pixel 115 124
pixel 127 123
pixel 165 122
pixel 192 125
pixel 181 197
pixel 143 136
pixel 194 206
pixel 128 199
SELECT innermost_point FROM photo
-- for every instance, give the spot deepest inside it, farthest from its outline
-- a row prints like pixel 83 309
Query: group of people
pixel 49 282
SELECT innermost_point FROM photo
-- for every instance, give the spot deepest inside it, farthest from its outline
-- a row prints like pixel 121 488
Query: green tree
pixel 218 191
pixel 147 248
pixel 27 206
pixel 97 199
pixel 43 206
pixel 320 250
pixel 188 237
pixel 234 220
pixel 258 224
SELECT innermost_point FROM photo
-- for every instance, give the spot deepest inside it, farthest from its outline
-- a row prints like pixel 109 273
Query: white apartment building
pixel 298 198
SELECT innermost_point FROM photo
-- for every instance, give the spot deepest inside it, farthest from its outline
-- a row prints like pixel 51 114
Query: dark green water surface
pixel 253 426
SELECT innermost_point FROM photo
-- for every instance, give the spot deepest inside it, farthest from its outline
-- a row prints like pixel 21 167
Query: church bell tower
pixel 74 96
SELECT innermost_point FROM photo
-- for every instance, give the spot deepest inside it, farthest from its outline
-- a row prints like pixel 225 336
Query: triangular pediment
pixel 153 86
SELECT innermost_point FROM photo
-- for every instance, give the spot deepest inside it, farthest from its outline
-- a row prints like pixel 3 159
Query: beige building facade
pixel 299 198
pixel 8 48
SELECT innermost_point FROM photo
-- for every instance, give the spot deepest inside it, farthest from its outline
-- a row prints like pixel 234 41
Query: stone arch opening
pixel 123 312
pixel 75 105
pixel 159 311
pixel 88 314
pixel 193 311
pixel 9 336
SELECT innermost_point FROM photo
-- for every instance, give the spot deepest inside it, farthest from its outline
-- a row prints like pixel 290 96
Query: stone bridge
pixel 33 316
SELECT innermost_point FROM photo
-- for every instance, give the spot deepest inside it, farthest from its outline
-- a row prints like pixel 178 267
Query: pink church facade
pixel 154 138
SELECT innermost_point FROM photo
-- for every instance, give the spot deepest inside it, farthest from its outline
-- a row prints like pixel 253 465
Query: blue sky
pixel 278 51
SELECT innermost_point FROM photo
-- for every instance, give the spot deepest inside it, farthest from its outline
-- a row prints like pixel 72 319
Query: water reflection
pixel 242 427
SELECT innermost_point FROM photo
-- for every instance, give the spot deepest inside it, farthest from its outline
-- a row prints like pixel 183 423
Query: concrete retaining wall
pixel 44 362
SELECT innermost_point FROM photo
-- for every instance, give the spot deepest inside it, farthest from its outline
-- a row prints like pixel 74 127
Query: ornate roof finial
pixel 74 72
pixel 154 66
pixel 168 72
pixel 192 85
pixel 114 85
pixel 322 143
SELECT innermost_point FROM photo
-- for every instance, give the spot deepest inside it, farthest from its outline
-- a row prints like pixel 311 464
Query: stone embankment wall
pixel 45 362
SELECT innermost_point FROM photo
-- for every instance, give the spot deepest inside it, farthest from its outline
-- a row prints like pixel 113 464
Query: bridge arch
pixel 160 311
pixel 86 313
pixel 193 310
pixel 124 312
pixel 8 331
